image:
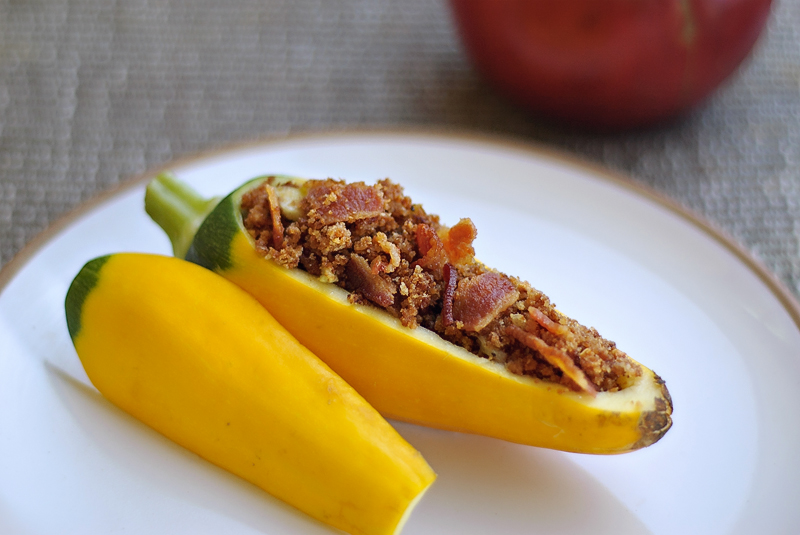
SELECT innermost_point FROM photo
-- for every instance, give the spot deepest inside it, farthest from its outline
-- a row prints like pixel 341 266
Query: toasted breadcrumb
pixel 402 265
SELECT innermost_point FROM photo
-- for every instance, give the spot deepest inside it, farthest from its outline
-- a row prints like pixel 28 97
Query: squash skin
pixel 414 375
pixel 200 361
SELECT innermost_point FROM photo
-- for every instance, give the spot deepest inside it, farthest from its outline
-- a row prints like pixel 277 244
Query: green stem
pixel 178 209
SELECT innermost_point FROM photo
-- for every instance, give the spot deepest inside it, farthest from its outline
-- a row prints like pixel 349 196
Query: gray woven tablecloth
pixel 95 91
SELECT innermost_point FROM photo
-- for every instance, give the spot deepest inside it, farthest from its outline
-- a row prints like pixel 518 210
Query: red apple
pixel 609 64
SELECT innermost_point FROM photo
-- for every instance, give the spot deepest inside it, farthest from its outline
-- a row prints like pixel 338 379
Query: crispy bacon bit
pixel 478 300
pixel 426 239
pixel 458 242
pixel 434 257
pixel 378 265
pixel 361 279
pixel 275 214
pixel 337 203
pixel 554 356
pixel 450 280
pixel 540 318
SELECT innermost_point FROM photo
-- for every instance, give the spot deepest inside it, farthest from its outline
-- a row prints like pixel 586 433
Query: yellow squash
pixel 411 375
pixel 200 361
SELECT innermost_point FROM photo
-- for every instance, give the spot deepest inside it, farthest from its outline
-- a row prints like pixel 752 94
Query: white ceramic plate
pixel 672 293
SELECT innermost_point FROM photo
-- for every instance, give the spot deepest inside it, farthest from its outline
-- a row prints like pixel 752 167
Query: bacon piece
pixel 458 242
pixel 450 280
pixel 336 203
pixel 426 239
pixel 555 357
pixel 540 318
pixel 378 265
pixel 361 279
pixel 275 213
pixel 430 247
pixel 478 300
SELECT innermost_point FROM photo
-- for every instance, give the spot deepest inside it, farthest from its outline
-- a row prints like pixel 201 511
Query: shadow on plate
pixel 484 485
pixel 167 468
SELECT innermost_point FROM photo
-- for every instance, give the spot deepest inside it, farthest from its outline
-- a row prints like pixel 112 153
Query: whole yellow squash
pixel 199 360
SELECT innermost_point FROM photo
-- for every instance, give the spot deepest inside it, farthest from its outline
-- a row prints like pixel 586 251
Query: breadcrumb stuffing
pixel 381 247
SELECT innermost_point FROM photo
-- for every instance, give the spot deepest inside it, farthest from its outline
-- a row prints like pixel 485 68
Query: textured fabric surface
pixel 95 91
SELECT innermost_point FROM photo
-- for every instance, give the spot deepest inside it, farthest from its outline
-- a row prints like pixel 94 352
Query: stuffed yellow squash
pixel 396 303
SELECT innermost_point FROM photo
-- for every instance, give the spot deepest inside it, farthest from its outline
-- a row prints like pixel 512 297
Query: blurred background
pixel 94 92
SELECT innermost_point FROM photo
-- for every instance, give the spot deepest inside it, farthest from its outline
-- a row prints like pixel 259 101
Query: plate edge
pixel 775 285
